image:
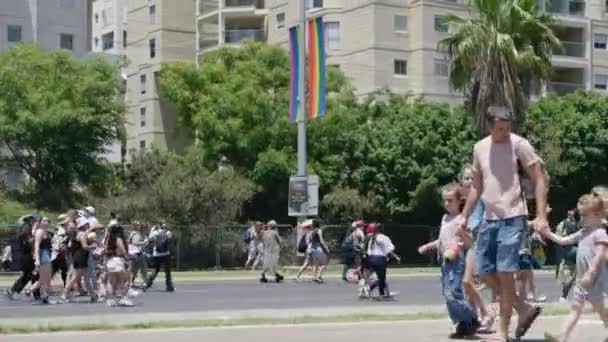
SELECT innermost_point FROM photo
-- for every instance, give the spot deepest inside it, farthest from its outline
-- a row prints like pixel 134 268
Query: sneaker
pixel 94 299
pixel 279 278
pixel 10 294
pixel 563 300
pixel 487 326
pixel 541 299
pixel 132 293
pixel 472 327
pixel 45 300
pixel 170 289
pixel 263 280
pixel 111 303
pixel 458 334
pixel 125 302
pixel 317 280
pixel 27 292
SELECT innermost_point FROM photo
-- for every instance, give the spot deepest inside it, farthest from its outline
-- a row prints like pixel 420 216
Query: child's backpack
pixel 161 242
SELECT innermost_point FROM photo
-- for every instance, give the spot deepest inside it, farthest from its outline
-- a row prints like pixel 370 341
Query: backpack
pixel 247 237
pixel 348 244
pixel 161 242
pixel 302 245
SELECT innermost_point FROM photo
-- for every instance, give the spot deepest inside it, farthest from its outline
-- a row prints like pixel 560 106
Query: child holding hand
pixel 591 275
pixel 450 246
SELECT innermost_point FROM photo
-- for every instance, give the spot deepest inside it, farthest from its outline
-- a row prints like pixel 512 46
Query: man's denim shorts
pixel 498 244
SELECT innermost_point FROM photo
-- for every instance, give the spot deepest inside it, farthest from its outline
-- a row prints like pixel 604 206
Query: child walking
pixel 451 250
pixel 591 275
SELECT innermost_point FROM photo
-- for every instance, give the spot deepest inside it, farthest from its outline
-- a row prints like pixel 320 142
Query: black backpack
pixel 247 236
pixel 161 242
pixel 302 245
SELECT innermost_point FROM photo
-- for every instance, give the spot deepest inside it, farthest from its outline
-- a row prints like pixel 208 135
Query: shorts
pixel 498 244
pixel 116 264
pixel 45 257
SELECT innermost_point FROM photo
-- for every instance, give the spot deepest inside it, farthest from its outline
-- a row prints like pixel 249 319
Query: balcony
pixel 208 40
pixel 571 49
pixel 236 36
pixel 574 8
pixel 564 88
pixel 209 8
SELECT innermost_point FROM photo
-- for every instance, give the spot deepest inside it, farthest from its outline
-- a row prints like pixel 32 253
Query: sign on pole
pixel 303 197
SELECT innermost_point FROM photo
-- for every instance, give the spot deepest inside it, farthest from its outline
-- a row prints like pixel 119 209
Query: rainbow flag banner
pixel 316 68
pixel 294 56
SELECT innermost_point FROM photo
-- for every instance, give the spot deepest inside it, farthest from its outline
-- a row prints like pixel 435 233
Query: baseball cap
pixel 90 210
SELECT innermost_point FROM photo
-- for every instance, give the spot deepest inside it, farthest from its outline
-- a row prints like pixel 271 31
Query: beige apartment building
pixel 159 31
pixel 392 44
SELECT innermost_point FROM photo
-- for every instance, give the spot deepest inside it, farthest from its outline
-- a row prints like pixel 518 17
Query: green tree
pixel 57 113
pixel 495 53
pixel 571 134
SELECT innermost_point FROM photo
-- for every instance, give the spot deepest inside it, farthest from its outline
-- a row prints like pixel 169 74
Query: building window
pixel 400 67
pixel 441 24
pixel 142 144
pixel 142 117
pixel 66 41
pixel 107 41
pixel 600 41
pixel 600 82
pixel 142 82
pixel 400 23
pixel 332 35
pixel 152 44
pixel 280 20
pixel 96 18
pixel 124 38
pixel 152 11
pixel 314 4
pixel 441 68
pixel 96 41
pixel 14 33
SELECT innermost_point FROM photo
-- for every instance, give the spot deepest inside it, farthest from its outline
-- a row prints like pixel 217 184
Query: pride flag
pixel 316 68
pixel 294 88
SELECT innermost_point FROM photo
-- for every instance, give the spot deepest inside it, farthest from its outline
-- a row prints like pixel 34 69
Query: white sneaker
pixel 563 300
pixel 132 293
pixel 541 299
pixel 125 302
pixel 111 303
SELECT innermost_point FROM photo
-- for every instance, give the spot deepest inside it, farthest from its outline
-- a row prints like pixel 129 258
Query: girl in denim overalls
pixel 451 250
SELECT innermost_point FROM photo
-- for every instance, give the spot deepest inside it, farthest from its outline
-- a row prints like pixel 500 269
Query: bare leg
pixel 469 288
pixel 509 301
pixel 602 311
pixel 522 284
pixel 575 315
pixel 303 268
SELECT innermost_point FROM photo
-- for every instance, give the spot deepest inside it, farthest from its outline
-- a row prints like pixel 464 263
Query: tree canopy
pixel 57 114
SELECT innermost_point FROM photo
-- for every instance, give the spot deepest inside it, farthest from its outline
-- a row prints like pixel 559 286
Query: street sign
pixel 303 197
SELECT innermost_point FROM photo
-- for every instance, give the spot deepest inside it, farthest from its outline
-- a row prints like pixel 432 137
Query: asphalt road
pixel 251 295
pixel 421 331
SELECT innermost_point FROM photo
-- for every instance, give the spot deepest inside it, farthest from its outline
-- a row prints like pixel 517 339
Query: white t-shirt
pixel 383 246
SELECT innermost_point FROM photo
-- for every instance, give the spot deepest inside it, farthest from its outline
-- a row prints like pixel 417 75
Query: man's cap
pixel 27 217
pixel 500 113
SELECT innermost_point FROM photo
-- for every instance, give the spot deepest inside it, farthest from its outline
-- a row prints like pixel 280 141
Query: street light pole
pixel 301 94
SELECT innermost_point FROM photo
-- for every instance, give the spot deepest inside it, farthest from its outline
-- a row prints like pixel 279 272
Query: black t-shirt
pixel 25 244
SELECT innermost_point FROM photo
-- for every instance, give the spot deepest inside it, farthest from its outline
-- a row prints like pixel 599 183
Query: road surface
pixel 251 295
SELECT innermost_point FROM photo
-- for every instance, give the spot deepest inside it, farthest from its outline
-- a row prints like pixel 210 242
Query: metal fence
pixel 224 247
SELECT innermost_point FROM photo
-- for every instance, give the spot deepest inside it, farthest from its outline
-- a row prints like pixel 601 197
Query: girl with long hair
pixel 116 255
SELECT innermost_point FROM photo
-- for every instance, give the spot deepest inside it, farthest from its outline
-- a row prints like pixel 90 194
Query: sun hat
pixel 90 210
pixel 63 219
pixel 272 223
pixel 81 222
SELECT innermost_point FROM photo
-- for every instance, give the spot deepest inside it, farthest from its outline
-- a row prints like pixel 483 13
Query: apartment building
pixel 392 44
pixel 159 31
pixel 109 27
pixel 51 24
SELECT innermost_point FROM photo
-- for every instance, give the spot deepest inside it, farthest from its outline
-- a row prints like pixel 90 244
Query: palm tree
pixel 497 52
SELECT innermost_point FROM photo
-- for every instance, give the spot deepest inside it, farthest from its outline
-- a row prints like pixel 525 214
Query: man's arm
pixel 537 174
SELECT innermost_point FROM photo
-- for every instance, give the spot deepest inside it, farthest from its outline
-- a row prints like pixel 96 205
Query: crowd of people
pixel 101 262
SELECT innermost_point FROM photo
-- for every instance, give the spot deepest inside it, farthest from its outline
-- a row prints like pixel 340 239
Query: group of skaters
pixel 486 232
pixel 101 262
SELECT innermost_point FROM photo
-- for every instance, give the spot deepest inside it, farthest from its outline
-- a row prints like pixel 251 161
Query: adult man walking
pixel 496 161
pixel 161 255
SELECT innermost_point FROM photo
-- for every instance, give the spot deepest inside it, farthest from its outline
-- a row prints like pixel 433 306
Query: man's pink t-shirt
pixel 497 165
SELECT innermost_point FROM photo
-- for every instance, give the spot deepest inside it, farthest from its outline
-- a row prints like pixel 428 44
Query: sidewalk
pixel 589 330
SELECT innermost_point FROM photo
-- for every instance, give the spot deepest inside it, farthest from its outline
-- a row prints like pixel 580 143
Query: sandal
pixel 524 326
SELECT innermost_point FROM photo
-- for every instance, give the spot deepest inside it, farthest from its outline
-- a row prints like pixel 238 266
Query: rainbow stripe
pixel 316 68
pixel 294 88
